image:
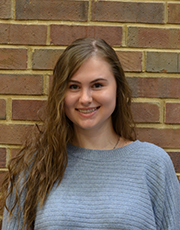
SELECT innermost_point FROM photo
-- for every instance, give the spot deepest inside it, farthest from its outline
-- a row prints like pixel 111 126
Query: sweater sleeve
pixel 171 201
pixel 164 189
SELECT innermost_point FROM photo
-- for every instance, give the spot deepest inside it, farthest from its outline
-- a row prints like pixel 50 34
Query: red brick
pixel 21 84
pixel 165 138
pixel 52 10
pixel 5 9
pixel 13 134
pixel 2 157
pixel 23 34
pixel 172 113
pixel 162 62
pixel 131 60
pixel 175 157
pixel 145 112
pixel 155 87
pixel 114 11
pixel 173 13
pixel 45 58
pixel 13 58
pixel 2 109
pixel 64 34
pixel 27 109
pixel 153 37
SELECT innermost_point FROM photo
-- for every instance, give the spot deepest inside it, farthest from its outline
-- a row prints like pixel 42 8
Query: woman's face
pixel 90 98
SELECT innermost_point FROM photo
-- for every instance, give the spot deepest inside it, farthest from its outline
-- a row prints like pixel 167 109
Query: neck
pixel 96 139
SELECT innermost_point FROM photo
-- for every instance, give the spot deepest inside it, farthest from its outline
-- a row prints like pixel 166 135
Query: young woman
pixel 85 169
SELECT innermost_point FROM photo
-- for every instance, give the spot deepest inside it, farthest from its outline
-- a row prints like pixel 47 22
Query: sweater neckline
pixel 94 154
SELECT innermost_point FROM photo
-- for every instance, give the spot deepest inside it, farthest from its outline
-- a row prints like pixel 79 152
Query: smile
pixel 87 110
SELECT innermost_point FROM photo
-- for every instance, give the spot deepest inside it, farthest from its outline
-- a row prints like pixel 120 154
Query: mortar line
pixel 8 109
pixel 29 58
pixel 144 61
pixel 166 13
pixel 163 111
pixel 124 36
pixel 89 11
pixel 45 84
pixel 13 9
pixel 8 156
pixel 48 39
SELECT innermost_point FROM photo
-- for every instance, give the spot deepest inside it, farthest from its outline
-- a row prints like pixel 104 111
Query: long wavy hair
pixel 43 159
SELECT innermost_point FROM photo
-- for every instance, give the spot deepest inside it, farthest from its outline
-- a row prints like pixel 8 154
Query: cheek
pixel 69 103
pixel 68 100
pixel 109 98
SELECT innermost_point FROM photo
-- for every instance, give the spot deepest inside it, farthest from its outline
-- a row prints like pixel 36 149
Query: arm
pixel 164 189
pixel 171 204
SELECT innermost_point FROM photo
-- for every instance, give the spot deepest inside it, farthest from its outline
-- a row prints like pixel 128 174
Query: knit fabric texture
pixel 130 188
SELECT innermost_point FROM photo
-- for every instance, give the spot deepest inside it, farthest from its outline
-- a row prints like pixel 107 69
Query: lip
pixel 87 112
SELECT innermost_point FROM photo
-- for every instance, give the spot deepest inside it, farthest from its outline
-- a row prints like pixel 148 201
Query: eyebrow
pixel 98 79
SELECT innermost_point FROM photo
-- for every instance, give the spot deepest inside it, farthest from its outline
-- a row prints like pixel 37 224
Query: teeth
pixel 87 110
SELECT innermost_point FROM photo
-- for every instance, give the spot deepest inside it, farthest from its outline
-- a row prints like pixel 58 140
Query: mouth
pixel 90 110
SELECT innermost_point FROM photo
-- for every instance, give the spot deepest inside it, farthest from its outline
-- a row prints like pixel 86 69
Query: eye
pixel 97 85
pixel 73 87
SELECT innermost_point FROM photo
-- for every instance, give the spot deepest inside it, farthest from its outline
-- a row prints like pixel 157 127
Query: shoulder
pixel 157 162
pixel 151 151
pixel 153 156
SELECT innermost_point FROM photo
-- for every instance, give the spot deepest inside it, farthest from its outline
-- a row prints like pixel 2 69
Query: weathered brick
pixel 21 84
pixel 64 34
pixel 13 58
pixel 162 62
pixel 115 11
pixel 165 138
pixel 52 10
pixel 153 37
pixel 45 58
pixel 5 9
pixel 173 13
pixel 145 112
pixel 2 109
pixel 175 157
pixel 2 157
pixel 131 60
pixel 155 87
pixel 27 109
pixel 23 34
pixel 14 134
pixel 172 113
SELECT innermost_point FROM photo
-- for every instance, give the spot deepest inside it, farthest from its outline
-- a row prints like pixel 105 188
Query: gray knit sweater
pixel 129 188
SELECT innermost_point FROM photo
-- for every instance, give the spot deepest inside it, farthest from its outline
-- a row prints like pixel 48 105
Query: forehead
pixel 93 66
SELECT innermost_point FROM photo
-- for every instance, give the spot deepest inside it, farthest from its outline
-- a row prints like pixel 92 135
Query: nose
pixel 85 97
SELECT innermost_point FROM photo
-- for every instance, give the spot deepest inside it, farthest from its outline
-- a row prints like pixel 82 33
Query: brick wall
pixel 145 34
